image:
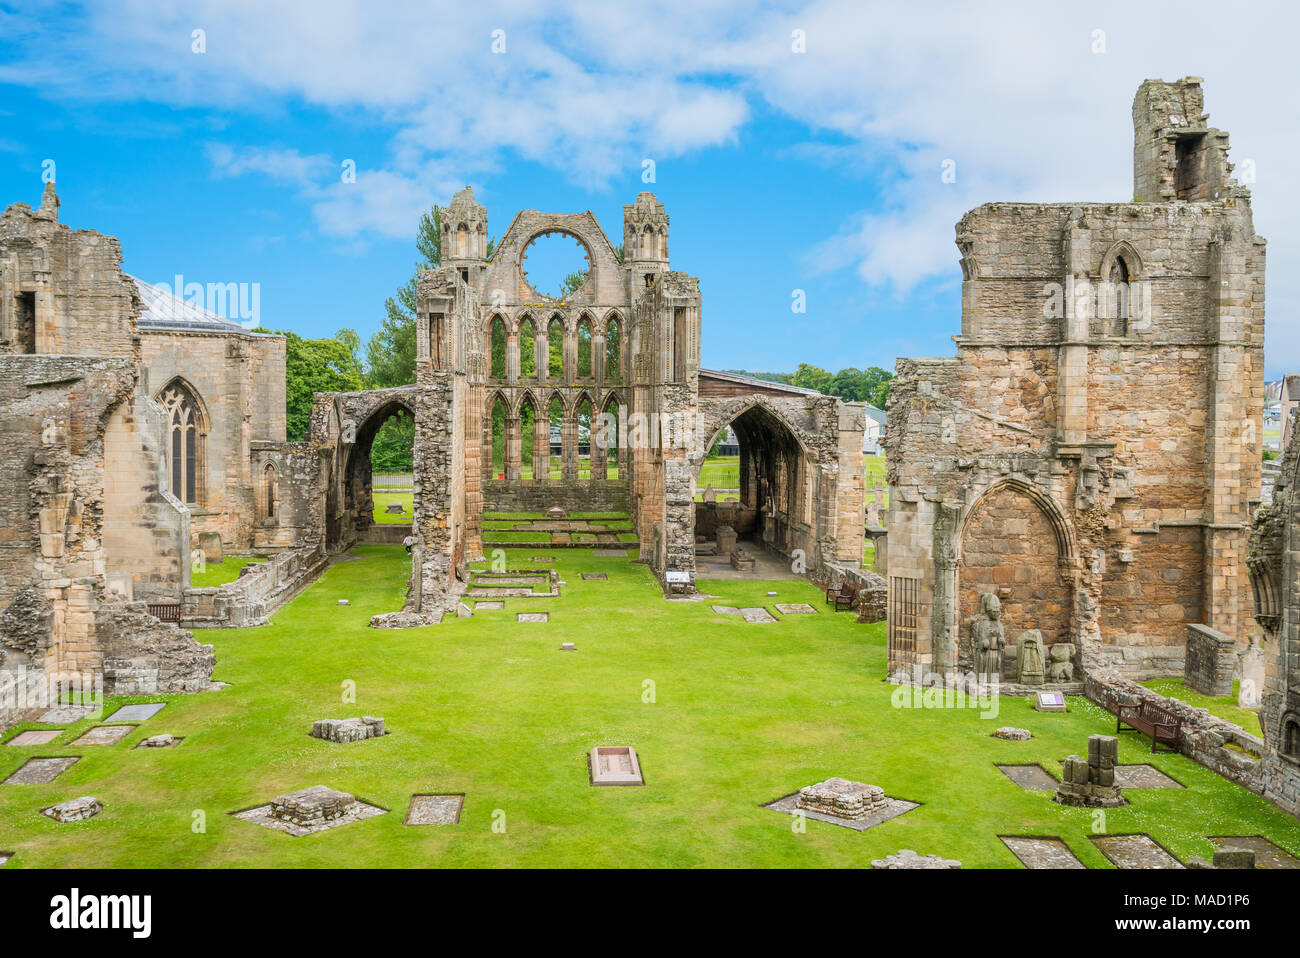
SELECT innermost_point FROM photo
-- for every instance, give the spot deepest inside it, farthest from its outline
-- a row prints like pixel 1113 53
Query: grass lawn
pixel 382 499
pixel 741 715
pixel 219 573
pixel 1224 706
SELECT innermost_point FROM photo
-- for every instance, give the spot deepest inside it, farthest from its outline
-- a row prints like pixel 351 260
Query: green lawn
pixel 219 573
pixel 382 499
pixel 1224 706
pixel 742 714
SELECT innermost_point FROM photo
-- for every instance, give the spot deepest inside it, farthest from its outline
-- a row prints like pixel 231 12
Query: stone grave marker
pixel 1030 777
pixel 908 859
pixel 615 765
pixel 839 801
pixel 1041 852
pixel 137 713
pixel 795 608
pixel 349 729
pixel 1049 702
pixel 160 741
pixel 532 617
pixel 36 737
pixel 1134 851
pixel 434 810
pixel 1143 776
pixel 488 605
pixel 1013 734
pixel 40 771
pixel 1267 855
pixel 76 810
pixel 66 714
pixel 595 576
pixel 310 810
pixel 104 735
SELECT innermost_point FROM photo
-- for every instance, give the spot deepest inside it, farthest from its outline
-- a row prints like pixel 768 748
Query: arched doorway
pixel 1012 545
pixel 762 490
pixel 382 446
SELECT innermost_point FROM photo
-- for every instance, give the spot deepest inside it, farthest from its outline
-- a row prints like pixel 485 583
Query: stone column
pixel 512 354
pixel 1072 398
pixel 541 447
pixel 569 446
pixel 514 448
pixel 599 456
pixel 598 356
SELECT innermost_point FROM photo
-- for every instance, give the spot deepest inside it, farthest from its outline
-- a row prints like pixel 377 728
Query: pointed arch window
pixel 187 435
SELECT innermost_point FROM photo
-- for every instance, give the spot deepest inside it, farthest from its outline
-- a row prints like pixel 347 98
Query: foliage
pixel 852 385
pixel 331 364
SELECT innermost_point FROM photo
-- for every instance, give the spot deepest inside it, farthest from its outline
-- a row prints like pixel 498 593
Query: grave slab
pixel 1035 852
pixel 1030 777
pixel 66 714
pixel 532 617
pixel 795 608
pixel 35 736
pixel 1267 854
pixel 725 609
pixel 1143 776
pixel 610 553
pixel 488 605
pixel 160 741
pixel 40 771
pixel 1013 734
pixel 137 713
pixel 1134 851
pixel 76 810
pixel 434 810
pixel 615 765
pixel 595 576
pixel 910 860
pixel 757 615
pixel 104 735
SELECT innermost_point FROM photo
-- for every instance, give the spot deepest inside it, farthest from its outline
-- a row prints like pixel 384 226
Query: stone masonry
pixel 1092 454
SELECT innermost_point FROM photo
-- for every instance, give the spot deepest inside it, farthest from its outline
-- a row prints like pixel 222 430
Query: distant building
pixel 875 431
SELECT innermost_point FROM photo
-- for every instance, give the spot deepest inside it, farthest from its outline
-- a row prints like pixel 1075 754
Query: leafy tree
pixel 331 364
pixel 390 353
pixel 810 377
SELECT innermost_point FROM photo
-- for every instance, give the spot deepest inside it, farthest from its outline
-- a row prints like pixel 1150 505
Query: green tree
pixel 390 353
pixel 810 377
pixel 331 364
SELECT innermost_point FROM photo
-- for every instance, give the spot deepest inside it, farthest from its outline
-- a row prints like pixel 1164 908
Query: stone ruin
pixel 843 799
pixel 76 810
pixel 309 807
pixel 1086 455
pixel 1224 859
pixel 348 730
pixel 908 859
pixel 1013 734
pixel 1091 783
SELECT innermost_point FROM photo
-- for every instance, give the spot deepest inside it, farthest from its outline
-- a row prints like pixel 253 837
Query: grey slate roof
pixel 165 310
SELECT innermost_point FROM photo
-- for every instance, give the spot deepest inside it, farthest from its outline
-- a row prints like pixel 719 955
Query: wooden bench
pixel 845 597
pixel 1154 721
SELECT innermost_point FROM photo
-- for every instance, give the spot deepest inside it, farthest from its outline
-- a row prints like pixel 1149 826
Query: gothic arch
pixel 1061 528
pixel 187 440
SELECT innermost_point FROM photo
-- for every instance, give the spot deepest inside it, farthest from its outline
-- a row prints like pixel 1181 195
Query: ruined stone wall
pixel 574 496
pixel 296 469
pixel 146 529
pixel 62 291
pixel 1110 370
pixel 238 380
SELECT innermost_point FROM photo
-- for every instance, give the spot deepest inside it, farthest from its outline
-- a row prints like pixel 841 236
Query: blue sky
pixel 780 170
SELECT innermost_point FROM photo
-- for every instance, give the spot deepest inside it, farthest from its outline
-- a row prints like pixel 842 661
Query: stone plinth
pixel 76 810
pixel 1211 660
pixel 615 765
pixel 906 858
pixel 348 730
pixel 1091 784
pixel 726 539
pixel 842 798
pixel 312 806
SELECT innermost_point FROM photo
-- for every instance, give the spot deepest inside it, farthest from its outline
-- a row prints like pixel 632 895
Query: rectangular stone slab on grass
pixel 434 810
pixel 1143 776
pixel 310 810
pixel 595 576
pixel 610 553
pixel 35 736
pixel 756 615
pixel 1035 852
pixel 1032 777
pixel 40 771
pixel 65 714
pixel 137 713
pixel 1267 855
pixel 104 735
pixel 795 608
pixel 1134 851
pixel 532 617
pixel 614 765
pixel 488 605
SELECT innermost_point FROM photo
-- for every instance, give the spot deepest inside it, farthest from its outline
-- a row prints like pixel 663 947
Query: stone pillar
pixel 512 354
pixel 1072 398
pixel 542 359
pixel 541 448
pixel 569 446
pixel 599 455
pixel 598 356
pixel 514 448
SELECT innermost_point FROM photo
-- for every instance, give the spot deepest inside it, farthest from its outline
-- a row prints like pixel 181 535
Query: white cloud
pixel 1012 92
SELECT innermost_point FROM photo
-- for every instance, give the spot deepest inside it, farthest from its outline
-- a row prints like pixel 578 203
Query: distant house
pixel 1288 401
pixel 728 444
pixel 875 431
